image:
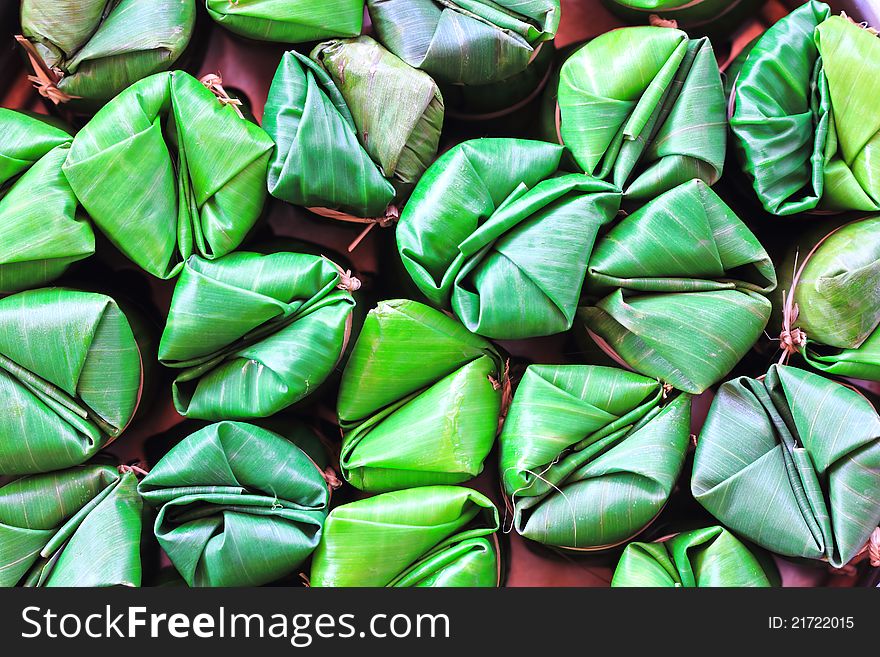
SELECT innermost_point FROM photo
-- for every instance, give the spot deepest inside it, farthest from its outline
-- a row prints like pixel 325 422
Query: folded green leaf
pixel 804 447
pixel 237 505
pixel 253 333
pixel 681 287
pixel 43 233
pixel 804 114
pixel 76 527
pixel 165 171
pixel 643 107
pixel 99 47
pixel 837 296
pixel 289 21
pixel 70 378
pixel 465 41
pixel 492 232
pixel 355 127
pixel 709 557
pixel 430 536
pixel 589 454
pixel 419 400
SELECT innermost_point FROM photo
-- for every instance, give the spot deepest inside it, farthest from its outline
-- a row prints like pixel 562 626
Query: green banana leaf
pixel 36 200
pixel 589 454
pixel 838 305
pixel 237 505
pixel 70 378
pixel 289 21
pixel 166 170
pixel 806 449
pixel 643 107
pixel 465 41
pixel 253 333
pixel 679 289
pixel 419 400
pixel 693 16
pixel 355 127
pixel 492 232
pixel 430 536
pixel 93 49
pixel 804 114
pixel 710 557
pixel 76 527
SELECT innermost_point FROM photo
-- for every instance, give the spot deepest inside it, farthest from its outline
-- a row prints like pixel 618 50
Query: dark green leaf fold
pixel 254 333
pixel 806 448
pixel 289 21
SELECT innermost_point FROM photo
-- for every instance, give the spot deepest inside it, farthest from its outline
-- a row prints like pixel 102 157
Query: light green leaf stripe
pixel 430 536
pixel 806 447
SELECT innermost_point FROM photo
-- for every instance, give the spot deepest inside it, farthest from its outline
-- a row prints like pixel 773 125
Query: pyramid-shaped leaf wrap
pixel 253 333
pixel 709 557
pixel 166 171
pixel 76 527
pixel 807 448
pixel 237 505
pixel 98 49
pixel 589 454
pixel 429 536
pixel 679 289
pixel 419 400
pixel 813 144
pixel 468 41
pixel 289 21
pixel 36 199
pixel 493 233
pixel 70 378
pixel 643 107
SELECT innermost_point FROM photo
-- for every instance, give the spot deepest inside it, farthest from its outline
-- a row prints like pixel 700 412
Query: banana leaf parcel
pixel 88 51
pixel 76 527
pixel 805 449
pixel 36 199
pixel 355 128
pixel 429 536
pixel 589 454
pixel 685 299
pixel 469 42
pixel 237 505
pixel 643 107
pixel 695 16
pixel 805 118
pixel 419 400
pixel 289 21
pixel 834 307
pixel 492 232
pixel 253 334
pixel 167 170
pixel 70 378
pixel 710 557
